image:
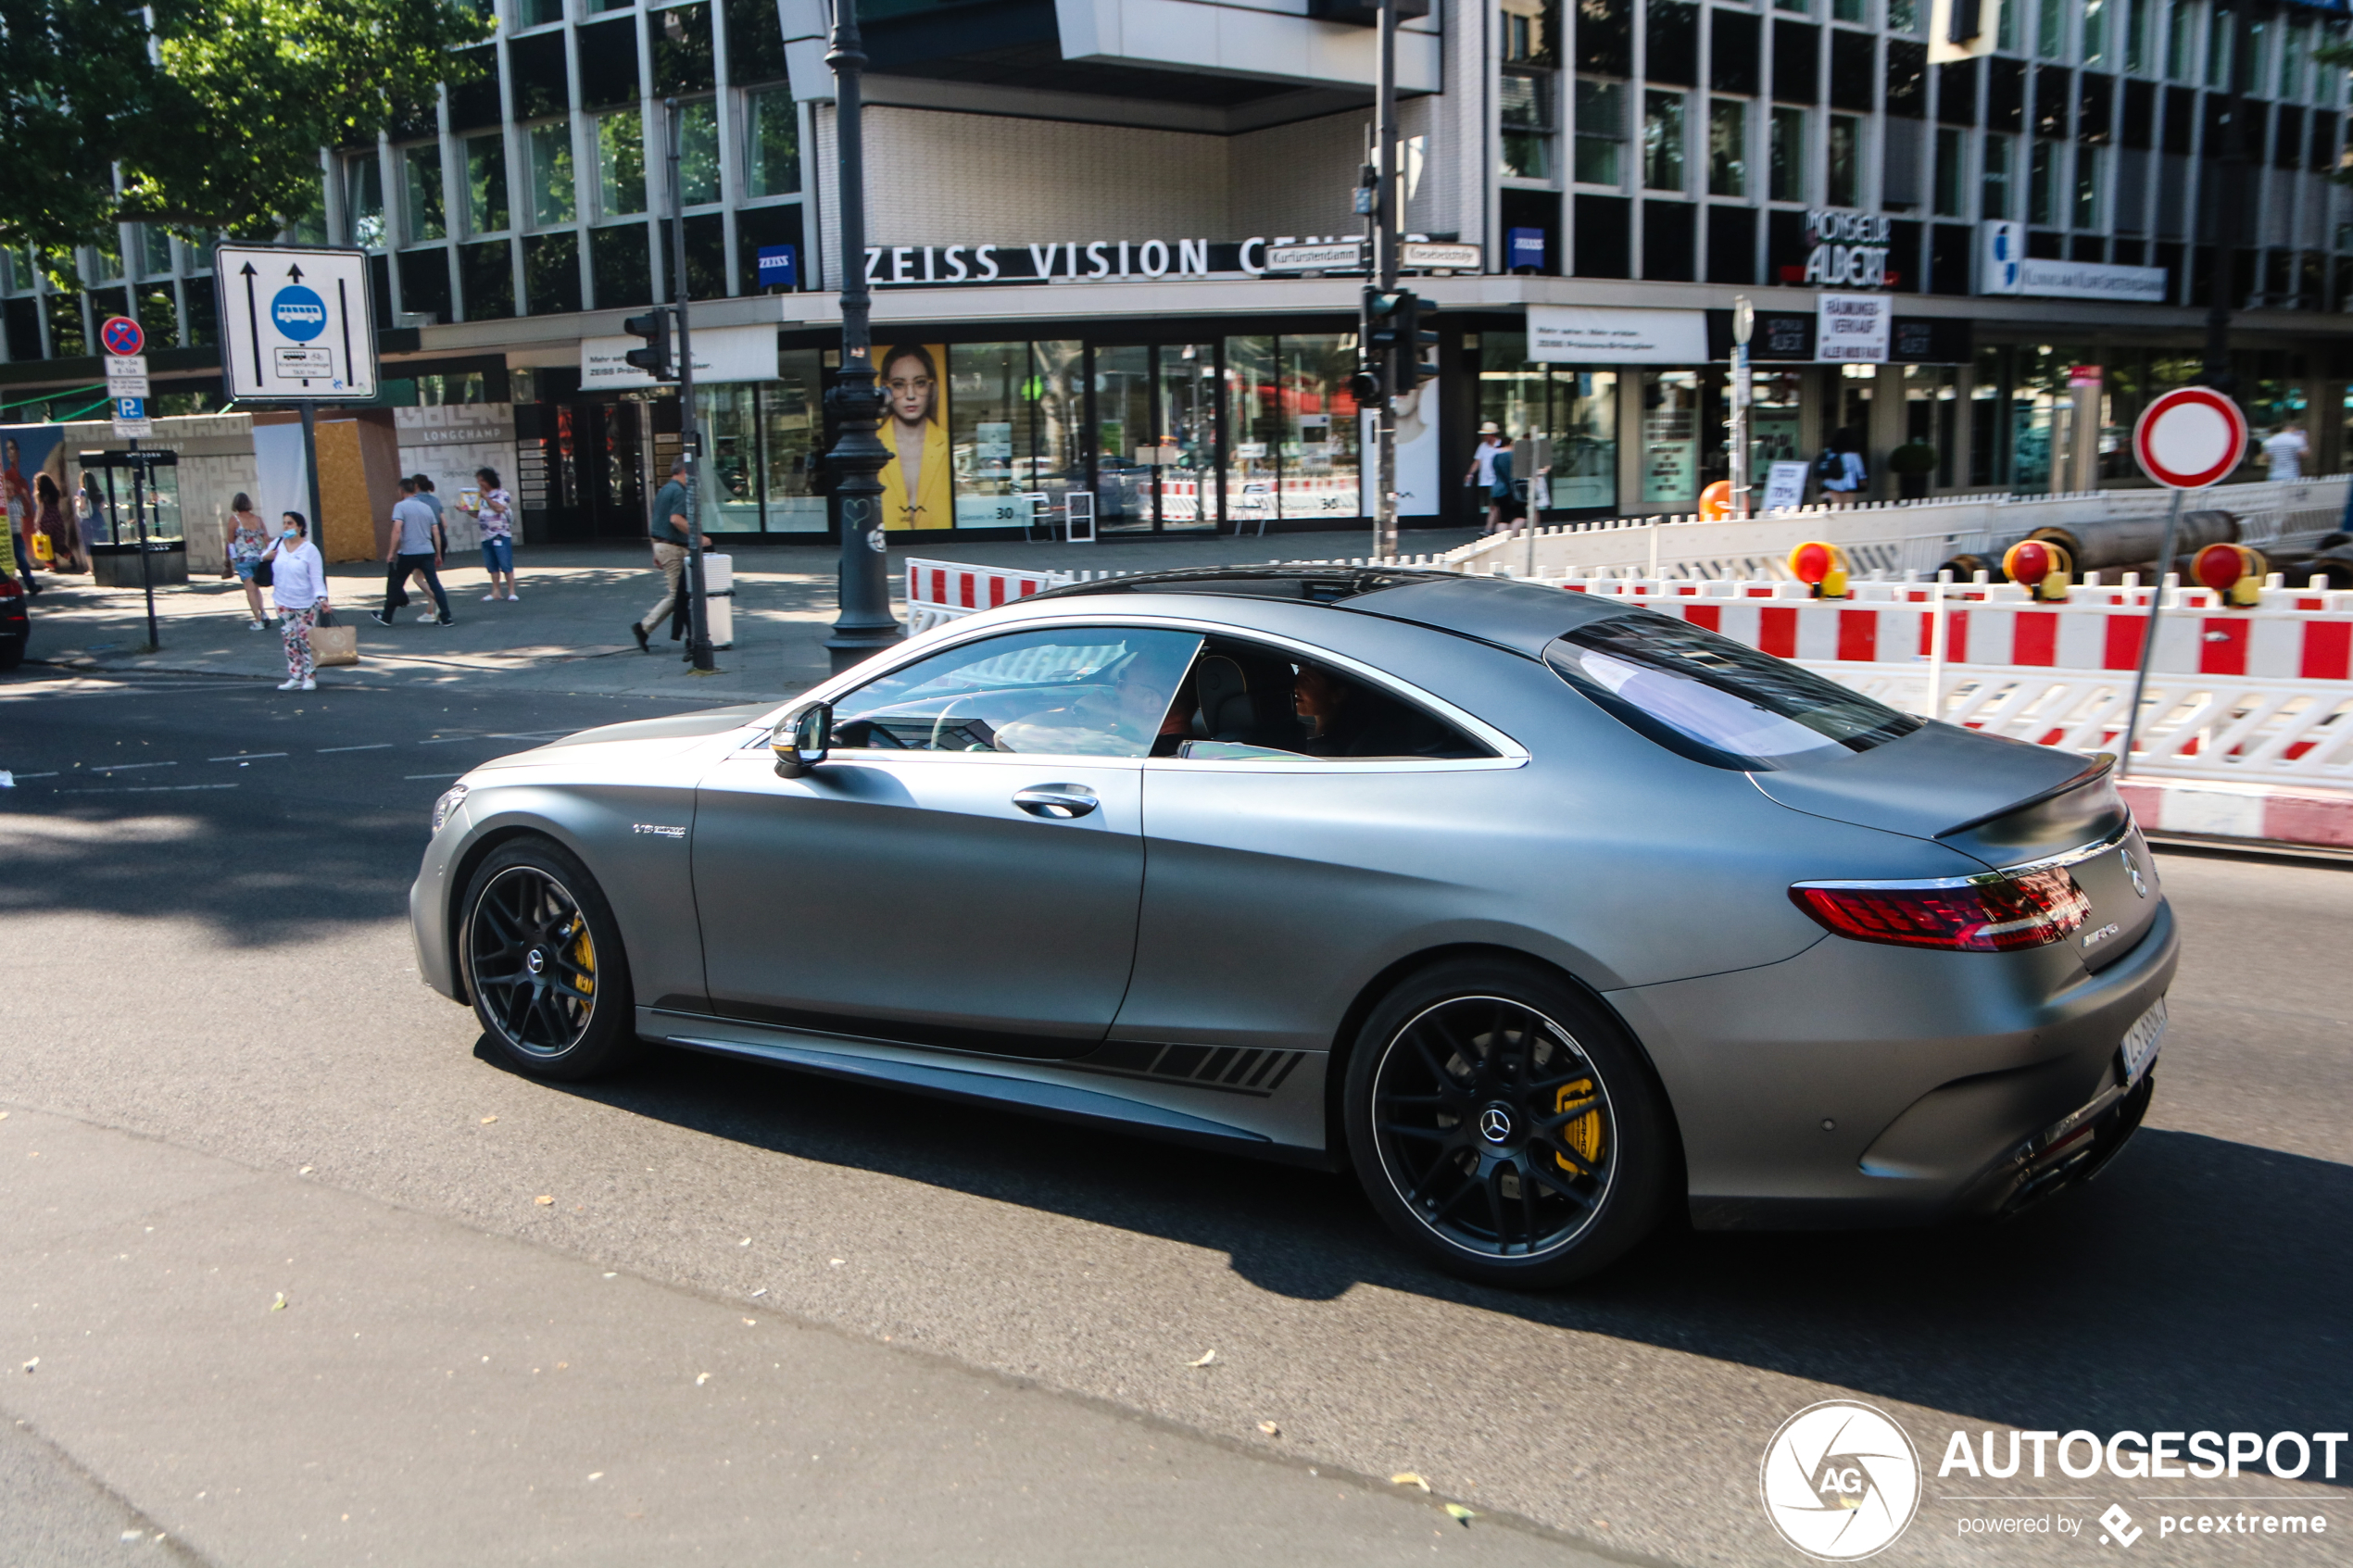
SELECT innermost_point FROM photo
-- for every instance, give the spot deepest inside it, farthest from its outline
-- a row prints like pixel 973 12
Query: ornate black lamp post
pixel 856 459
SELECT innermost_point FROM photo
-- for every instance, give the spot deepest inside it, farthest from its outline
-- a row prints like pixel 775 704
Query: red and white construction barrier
pixel 2194 809
pixel 940 591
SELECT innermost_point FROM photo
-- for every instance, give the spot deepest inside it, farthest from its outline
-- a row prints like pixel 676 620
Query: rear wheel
pixel 543 965
pixel 1505 1126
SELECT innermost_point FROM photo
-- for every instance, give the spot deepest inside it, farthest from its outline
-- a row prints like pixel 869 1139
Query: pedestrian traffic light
pixel 1366 387
pixel 654 358
pixel 1414 340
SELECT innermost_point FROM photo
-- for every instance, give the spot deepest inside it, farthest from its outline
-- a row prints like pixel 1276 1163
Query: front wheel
pixel 543 964
pixel 1505 1126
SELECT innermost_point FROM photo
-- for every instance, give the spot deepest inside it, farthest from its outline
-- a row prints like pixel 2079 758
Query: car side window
pixel 1097 691
pixel 1246 701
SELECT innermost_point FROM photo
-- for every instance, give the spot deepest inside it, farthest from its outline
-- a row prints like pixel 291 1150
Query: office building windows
pixel 1952 172
pixel 1663 141
pixel 2095 21
pixel 1785 157
pixel 363 200
pixel 485 184
pixel 2041 180
pixel 552 180
pixel 1996 188
pixel 772 130
pixel 2087 186
pixel 1844 168
pixel 421 170
pixel 621 163
pixel 1527 113
pixel 2050 28
pixel 698 152
pixel 1727 148
pixel 1601 133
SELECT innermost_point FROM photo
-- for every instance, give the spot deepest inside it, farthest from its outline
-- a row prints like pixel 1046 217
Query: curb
pixel 2194 808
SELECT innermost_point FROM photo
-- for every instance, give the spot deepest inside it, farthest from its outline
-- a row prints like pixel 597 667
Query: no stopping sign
pixel 2190 438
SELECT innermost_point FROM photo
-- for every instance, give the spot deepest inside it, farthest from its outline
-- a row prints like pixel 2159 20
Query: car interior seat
pixel 1247 698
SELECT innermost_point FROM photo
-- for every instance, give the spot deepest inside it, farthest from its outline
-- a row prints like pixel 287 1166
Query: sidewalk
pixel 570 629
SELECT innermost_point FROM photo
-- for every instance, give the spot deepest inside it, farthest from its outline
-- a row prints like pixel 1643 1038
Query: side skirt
pixel 1028 1086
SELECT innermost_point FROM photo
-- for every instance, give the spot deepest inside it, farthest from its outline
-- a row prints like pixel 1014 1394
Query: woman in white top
pixel 299 581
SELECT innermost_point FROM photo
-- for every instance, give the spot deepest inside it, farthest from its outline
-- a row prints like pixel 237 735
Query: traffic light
pixel 1384 314
pixel 654 358
pixel 1414 340
pixel 1366 387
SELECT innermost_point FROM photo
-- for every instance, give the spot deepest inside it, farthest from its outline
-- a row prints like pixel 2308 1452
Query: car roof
pixel 1522 617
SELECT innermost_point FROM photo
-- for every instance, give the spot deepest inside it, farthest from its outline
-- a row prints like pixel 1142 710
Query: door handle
pixel 1057 802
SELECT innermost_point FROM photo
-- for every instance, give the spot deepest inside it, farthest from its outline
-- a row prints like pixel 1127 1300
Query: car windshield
pixel 1718 701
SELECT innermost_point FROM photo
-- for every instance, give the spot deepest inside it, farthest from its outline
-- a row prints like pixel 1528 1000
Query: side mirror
pixel 802 739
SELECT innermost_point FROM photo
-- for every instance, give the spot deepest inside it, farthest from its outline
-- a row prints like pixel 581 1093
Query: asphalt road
pixel 208 950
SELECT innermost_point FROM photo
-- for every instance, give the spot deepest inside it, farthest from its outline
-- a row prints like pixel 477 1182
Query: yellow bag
pixel 332 642
pixel 43 553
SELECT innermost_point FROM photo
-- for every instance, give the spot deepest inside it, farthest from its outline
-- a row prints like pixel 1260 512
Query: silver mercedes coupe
pixel 1543 913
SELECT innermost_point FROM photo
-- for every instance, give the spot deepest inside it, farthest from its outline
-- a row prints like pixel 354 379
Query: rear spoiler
pixel 2098 769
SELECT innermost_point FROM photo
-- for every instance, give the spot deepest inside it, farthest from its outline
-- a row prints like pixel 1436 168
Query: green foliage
pixel 215 128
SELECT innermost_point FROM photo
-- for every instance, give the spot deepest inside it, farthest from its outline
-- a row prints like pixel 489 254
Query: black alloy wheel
pixel 543 962
pixel 1505 1126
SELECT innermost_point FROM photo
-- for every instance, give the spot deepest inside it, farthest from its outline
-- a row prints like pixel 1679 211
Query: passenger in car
pixel 1347 720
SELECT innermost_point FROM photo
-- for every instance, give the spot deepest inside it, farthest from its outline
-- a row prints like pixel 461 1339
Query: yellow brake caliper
pixel 1584 1135
pixel 583 953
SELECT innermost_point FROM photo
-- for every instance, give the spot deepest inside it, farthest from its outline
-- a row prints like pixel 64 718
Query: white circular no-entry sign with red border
pixel 2190 438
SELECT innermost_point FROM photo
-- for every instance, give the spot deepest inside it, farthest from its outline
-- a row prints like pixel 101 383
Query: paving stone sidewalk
pixel 570 629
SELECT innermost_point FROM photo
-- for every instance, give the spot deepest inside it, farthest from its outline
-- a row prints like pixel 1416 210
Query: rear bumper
pixel 1862 1086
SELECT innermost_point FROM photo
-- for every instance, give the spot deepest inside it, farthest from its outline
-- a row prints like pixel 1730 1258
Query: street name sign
pixel 1439 255
pixel 1336 256
pixel 2190 438
pixel 296 323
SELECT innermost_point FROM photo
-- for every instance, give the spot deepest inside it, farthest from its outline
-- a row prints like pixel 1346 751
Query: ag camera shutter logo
pixel 1841 1481
pixel 298 313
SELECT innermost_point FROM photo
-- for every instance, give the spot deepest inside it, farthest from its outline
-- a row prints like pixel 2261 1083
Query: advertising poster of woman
pixel 917 483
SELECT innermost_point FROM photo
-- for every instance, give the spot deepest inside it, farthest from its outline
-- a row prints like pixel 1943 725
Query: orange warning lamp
pixel 1716 501
pixel 2043 567
pixel 2233 571
pixel 1820 567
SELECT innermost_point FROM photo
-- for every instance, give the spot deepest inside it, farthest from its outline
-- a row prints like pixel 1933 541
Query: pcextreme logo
pixel 1841 1480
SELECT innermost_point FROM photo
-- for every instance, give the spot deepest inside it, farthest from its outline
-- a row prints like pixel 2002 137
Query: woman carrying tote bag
pixel 299 581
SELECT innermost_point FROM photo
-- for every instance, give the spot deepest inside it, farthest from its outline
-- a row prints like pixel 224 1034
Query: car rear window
pixel 1715 700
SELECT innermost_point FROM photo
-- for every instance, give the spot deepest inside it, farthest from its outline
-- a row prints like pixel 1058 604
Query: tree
pixel 213 118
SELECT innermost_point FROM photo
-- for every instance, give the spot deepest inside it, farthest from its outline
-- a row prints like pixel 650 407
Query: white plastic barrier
pixel 1885 537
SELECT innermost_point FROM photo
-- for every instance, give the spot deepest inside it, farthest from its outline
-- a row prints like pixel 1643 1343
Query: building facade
pixel 1070 204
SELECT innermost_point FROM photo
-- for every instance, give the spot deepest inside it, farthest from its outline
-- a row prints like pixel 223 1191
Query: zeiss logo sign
pixel 2001 265
pixel 299 314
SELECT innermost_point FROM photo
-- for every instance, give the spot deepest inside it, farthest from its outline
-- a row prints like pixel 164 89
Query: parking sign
pixel 296 323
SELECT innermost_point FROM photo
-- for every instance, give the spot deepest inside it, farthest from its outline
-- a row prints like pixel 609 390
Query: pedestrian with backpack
pixel 1840 467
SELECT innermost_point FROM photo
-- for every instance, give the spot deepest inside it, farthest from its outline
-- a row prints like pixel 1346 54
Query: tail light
pixel 10 588
pixel 1991 913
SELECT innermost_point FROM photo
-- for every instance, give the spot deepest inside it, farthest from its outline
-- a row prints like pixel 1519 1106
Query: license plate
pixel 2139 1047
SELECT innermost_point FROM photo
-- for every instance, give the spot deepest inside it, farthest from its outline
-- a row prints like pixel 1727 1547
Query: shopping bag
pixel 44 552
pixel 333 643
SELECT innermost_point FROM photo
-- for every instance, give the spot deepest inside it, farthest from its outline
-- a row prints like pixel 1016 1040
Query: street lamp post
pixel 865 625
pixel 1385 226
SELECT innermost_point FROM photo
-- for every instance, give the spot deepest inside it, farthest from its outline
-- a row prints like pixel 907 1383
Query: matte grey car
pixel 1543 913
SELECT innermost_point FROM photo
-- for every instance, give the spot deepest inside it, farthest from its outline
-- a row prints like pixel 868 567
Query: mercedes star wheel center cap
pixel 535 960
pixel 1494 1123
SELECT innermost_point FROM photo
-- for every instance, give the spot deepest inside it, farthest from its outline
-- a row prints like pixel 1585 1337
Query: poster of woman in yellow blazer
pixel 917 485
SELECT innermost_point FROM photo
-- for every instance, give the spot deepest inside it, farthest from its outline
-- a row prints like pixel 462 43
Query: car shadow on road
pixel 2199 1284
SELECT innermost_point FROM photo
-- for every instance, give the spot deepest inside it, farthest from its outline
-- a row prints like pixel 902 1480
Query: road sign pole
pixel 1385 227
pixel 146 567
pixel 698 610
pixel 318 528
pixel 2148 632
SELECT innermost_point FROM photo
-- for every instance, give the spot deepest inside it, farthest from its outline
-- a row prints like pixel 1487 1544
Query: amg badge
pixel 660 830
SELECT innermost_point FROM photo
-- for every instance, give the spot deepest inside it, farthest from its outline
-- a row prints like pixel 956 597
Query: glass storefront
pixel 1671 437
pixel 1574 407
pixel 758 435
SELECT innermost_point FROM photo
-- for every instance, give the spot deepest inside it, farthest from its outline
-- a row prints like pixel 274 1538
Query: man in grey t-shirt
pixel 670 528
pixel 416 547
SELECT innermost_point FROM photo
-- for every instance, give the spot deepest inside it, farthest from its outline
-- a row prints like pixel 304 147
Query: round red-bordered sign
pixel 123 335
pixel 2190 438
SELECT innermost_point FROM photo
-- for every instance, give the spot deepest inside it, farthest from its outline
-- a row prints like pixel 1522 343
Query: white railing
pixel 1894 537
